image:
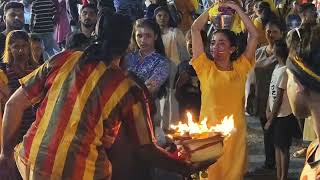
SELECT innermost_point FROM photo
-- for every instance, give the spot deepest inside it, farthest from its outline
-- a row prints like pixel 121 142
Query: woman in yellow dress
pixel 222 83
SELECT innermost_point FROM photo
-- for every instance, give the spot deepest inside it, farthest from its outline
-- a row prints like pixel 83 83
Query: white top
pixel 279 80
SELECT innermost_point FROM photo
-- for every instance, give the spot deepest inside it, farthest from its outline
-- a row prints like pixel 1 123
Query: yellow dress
pixel 222 94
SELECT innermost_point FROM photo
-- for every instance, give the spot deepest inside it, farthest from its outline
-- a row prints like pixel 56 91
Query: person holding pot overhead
pixel 222 84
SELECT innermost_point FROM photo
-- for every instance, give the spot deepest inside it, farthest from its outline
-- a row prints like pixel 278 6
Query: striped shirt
pixel 82 105
pixel 43 12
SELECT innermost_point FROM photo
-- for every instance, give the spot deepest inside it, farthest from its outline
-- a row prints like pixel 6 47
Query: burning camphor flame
pixel 225 128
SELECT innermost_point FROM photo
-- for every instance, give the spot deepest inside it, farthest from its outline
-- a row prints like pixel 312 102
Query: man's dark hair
pixel 77 41
pixel 13 5
pixel 277 23
pixel 34 37
pixel 281 50
pixel 90 6
pixel 113 37
pixel 305 7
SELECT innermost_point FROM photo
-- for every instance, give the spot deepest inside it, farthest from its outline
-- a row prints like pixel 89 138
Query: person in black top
pixel 187 85
pixel 88 19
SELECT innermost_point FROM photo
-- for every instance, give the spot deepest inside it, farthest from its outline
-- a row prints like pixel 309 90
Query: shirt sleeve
pixel 34 83
pixel 282 80
pixel 202 65
pixel 243 65
pixel 160 75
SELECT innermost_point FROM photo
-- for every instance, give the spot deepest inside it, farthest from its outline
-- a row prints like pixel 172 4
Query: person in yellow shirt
pixel 222 84
pixel 265 14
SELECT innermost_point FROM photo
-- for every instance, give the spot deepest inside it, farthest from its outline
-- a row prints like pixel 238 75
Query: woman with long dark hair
pixel 149 63
pixel 222 84
pixel 147 59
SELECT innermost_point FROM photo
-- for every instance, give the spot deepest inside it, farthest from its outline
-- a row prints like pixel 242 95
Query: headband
pixel 304 74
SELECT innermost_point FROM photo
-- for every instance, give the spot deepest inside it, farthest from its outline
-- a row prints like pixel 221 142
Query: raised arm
pixel 197 26
pixel 12 118
pixel 253 32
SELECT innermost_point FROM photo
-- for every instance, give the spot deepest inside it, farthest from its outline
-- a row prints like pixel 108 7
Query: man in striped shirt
pixel 83 98
pixel 43 14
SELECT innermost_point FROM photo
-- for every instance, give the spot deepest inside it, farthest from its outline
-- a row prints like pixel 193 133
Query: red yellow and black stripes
pixel 80 102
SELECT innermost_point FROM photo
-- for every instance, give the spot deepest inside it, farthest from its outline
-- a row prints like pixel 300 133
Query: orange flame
pixel 193 129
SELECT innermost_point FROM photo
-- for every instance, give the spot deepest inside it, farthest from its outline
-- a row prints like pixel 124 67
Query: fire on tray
pixel 200 130
pixel 200 141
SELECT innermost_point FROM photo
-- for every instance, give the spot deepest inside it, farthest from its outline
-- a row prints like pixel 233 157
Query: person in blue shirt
pixel 147 60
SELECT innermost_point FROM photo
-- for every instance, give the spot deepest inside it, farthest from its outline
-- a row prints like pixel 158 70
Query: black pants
pixel 268 145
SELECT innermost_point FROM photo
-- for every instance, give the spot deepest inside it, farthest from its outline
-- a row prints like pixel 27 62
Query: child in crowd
pixel 77 42
pixel 279 113
pixel 37 48
pixel 187 85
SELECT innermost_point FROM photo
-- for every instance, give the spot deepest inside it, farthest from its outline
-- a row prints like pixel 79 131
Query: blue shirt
pixel 154 69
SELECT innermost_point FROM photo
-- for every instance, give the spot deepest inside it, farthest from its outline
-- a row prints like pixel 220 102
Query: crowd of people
pixel 89 89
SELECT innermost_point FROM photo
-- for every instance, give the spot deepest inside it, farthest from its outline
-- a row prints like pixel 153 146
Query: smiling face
pixel 220 46
pixel 145 38
pixel 297 96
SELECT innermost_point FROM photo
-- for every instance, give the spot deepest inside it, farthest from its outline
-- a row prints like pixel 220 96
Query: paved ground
pixel 256 154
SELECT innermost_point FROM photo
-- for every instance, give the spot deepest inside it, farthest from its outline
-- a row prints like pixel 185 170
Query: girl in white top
pixel 279 114
pixel 176 50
